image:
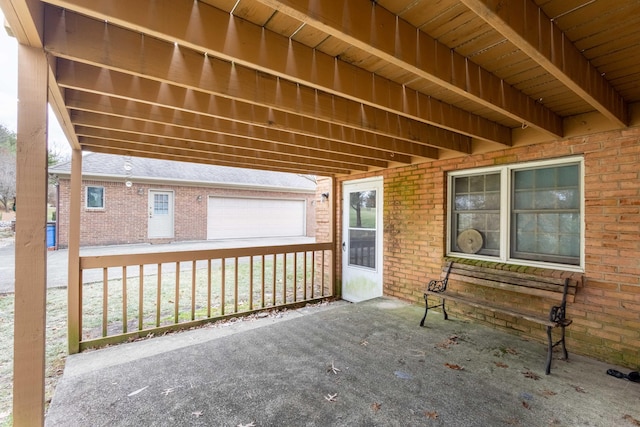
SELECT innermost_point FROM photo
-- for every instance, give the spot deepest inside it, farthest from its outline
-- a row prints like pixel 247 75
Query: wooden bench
pixel 554 291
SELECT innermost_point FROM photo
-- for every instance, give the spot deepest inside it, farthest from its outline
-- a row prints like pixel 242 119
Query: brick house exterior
pixel 124 217
pixel 606 311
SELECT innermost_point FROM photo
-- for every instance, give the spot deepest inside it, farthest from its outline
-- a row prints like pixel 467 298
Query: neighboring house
pixel 139 200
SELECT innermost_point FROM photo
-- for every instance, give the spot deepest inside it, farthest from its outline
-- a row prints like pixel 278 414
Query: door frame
pixel 171 194
pixel 371 277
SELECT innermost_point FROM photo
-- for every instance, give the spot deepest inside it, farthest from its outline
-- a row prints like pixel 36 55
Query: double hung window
pixel 527 213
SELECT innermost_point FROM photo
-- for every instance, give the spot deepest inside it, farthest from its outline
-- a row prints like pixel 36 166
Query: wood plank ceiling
pixel 332 87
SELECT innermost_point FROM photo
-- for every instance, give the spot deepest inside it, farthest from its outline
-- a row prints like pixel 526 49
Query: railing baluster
pixel 124 299
pixel 304 290
pixel 159 296
pixel 209 288
pixel 251 282
pixel 274 280
pixel 313 274
pixel 295 276
pixel 141 298
pixel 176 306
pixel 105 297
pixel 323 273
pixel 284 278
pixel 262 285
pixel 193 290
pixel 235 285
pixel 223 287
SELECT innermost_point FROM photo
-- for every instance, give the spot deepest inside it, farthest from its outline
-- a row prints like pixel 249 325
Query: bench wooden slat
pixel 495 308
pixel 555 295
pixel 509 275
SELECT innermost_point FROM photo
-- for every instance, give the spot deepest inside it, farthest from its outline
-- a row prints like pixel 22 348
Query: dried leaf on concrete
pixel 433 415
pixel 331 397
pixel 140 390
pixel 452 340
pixel 631 420
pixel 454 367
pixel 532 375
pixel 501 365
pixel 375 406
pixel 333 368
pixel 578 388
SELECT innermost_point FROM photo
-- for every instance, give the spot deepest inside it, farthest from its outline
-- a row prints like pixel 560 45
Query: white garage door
pixel 231 218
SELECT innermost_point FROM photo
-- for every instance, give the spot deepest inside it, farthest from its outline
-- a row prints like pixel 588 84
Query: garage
pixel 236 218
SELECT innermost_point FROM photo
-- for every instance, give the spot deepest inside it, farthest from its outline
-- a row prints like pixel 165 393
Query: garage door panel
pixel 230 218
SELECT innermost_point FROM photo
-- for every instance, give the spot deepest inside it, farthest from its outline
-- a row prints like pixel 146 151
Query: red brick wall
pixel 124 219
pixel 606 311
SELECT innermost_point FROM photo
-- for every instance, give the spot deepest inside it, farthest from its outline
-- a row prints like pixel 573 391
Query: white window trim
pixel 505 213
pixel 86 198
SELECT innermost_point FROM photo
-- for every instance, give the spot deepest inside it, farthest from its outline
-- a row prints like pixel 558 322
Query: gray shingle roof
pixel 113 166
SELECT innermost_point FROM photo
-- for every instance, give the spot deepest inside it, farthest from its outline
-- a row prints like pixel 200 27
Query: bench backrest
pixel 552 287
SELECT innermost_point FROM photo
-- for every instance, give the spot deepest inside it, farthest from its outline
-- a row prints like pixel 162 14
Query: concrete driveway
pixel 57 261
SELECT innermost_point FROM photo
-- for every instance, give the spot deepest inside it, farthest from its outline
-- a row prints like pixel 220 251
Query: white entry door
pixel 362 240
pixel 160 212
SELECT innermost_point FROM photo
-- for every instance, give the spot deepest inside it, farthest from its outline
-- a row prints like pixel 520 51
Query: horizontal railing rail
pixel 128 296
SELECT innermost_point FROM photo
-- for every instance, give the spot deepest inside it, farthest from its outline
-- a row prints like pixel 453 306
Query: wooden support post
pixel 73 285
pixel 333 203
pixel 31 245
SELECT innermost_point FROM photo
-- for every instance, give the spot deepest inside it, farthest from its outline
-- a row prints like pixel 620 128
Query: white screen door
pixel 362 240
pixel 160 212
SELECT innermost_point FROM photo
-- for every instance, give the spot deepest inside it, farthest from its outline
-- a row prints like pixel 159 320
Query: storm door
pixel 362 240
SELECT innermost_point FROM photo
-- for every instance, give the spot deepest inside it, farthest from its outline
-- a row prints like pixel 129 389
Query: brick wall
pixel 124 219
pixel 606 311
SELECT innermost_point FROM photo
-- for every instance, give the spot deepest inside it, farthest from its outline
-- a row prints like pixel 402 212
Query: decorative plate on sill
pixel 470 241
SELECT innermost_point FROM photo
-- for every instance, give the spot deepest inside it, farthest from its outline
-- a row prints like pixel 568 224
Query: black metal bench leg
pixel 444 311
pixel 564 347
pixel 426 310
pixel 549 351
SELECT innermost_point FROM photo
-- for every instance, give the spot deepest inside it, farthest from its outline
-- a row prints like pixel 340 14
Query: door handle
pixel 344 246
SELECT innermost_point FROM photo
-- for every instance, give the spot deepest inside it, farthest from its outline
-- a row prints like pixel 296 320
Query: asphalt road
pixel 57 261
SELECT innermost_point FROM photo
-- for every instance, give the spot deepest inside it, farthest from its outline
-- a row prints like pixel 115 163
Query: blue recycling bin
pixel 51 235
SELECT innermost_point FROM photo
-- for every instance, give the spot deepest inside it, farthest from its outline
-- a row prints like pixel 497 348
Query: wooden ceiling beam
pixel 122 109
pixel 145 128
pixel 525 25
pixel 204 147
pixel 373 29
pixel 307 73
pixel 96 146
pixel 394 134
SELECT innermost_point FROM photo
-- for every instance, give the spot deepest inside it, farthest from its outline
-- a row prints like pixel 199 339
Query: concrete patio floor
pixel 276 371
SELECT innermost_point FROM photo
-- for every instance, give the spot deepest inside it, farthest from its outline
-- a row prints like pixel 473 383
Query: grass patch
pixel 56 348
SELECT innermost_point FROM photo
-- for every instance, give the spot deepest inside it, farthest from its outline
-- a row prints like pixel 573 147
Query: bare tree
pixel 7 178
pixel 7 167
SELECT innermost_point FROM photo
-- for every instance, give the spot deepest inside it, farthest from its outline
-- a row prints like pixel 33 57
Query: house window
pixel 527 213
pixel 95 198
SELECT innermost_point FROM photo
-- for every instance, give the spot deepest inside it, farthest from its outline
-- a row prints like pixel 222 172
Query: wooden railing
pixel 124 297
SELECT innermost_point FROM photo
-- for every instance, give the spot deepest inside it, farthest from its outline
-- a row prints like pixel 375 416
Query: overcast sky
pixel 9 92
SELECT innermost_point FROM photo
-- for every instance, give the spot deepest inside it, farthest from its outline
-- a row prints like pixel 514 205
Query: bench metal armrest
pixel 557 313
pixel 437 285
